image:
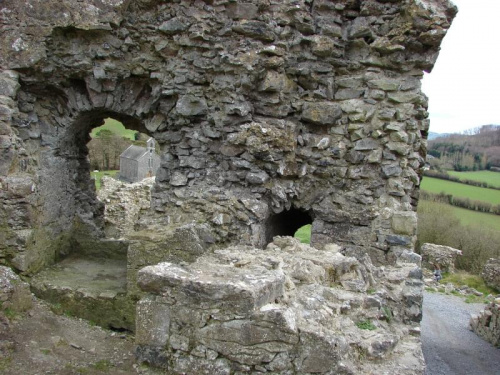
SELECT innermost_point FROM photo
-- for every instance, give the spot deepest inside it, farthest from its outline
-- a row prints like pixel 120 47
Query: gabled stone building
pixel 137 163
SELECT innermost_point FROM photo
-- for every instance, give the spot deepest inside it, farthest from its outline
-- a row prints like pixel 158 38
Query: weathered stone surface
pixel 15 294
pixel 233 92
pixel 233 289
pixel 308 327
pixel 153 324
pixel 310 109
pixel 444 256
pixel 321 113
pixel 189 105
pixel 173 26
pixel 124 202
pixel 491 273
pixel 487 323
pixel 255 29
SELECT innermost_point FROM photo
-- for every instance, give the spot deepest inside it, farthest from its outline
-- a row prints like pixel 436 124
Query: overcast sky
pixel 464 86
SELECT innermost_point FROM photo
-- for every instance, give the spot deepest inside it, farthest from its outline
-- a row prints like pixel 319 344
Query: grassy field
pixel 492 178
pixel 98 175
pixel 436 186
pixel 116 127
pixel 472 218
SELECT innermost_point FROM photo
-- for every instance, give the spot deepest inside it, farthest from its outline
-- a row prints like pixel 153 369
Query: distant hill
pixel 474 149
pixel 433 135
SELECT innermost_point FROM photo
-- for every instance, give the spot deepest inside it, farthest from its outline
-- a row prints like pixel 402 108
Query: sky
pixel 464 86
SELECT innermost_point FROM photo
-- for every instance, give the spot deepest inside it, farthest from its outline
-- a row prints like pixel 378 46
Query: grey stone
pixel 321 113
pixel 232 288
pixel 258 178
pixel 366 144
pixel 178 179
pixel 152 325
pixel 255 29
pixel 189 105
pixel 173 26
pixel 391 170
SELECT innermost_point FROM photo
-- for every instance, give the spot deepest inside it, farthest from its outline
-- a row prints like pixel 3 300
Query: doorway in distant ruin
pixel 287 223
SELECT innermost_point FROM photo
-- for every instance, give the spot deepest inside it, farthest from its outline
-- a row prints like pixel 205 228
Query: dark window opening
pixel 286 223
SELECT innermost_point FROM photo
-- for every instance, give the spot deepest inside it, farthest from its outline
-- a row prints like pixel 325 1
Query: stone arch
pixel 286 223
pixel 71 212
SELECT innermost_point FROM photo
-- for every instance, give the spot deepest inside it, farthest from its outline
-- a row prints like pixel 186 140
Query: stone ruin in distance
pixel 270 115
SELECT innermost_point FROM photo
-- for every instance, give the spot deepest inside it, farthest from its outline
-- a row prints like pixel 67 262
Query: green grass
pixel 492 178
pixel 304 234
pixel 475 218
pixel 116 127
pixel 102 365
pixel 472 281
pixel 436 186
pixel 98 176
pixel 366 324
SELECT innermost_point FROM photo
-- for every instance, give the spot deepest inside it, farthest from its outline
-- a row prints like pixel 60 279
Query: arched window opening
pixel 93 255
pixel 286 223
pixel 125 154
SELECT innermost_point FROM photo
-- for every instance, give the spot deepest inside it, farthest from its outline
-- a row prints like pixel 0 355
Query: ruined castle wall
pixel 260 107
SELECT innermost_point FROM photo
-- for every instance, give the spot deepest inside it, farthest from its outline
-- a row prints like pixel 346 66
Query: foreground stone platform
pixel 288 309
pixel 90 288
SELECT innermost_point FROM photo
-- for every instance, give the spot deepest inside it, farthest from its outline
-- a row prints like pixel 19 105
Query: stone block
pixel 152 324
pixel 321 113
pixel 189 105
pixel 227 287
pixel 320 351
pixel 255 29
pixel 404 222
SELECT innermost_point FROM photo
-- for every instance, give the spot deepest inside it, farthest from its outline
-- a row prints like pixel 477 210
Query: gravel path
pixel 448 345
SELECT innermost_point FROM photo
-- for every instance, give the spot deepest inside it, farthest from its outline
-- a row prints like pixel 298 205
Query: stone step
pixel 88 288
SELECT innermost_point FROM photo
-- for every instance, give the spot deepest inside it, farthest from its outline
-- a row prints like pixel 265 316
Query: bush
pixel 437 224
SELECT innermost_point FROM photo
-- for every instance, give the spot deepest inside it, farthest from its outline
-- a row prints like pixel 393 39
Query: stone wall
pixel 487 323
pixel 444 256
pixel 288 309
pixel 308 110
pixel 491 273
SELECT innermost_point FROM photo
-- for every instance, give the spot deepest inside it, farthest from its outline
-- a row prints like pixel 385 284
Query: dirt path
pixel 45 343
pixel 448 345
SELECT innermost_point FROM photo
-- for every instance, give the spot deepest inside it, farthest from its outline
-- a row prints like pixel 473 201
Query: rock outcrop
pixel 287 309
pixel 491 273
pixel 444 256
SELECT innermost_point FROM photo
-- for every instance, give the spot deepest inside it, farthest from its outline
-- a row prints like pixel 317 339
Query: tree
pixel 105 150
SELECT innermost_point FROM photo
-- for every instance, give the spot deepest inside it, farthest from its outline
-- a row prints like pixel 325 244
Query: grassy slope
pixel 98 175
pixel 304 234
pixel 492 178
pixel 116 127
pixel 471 218
pixel 435 185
